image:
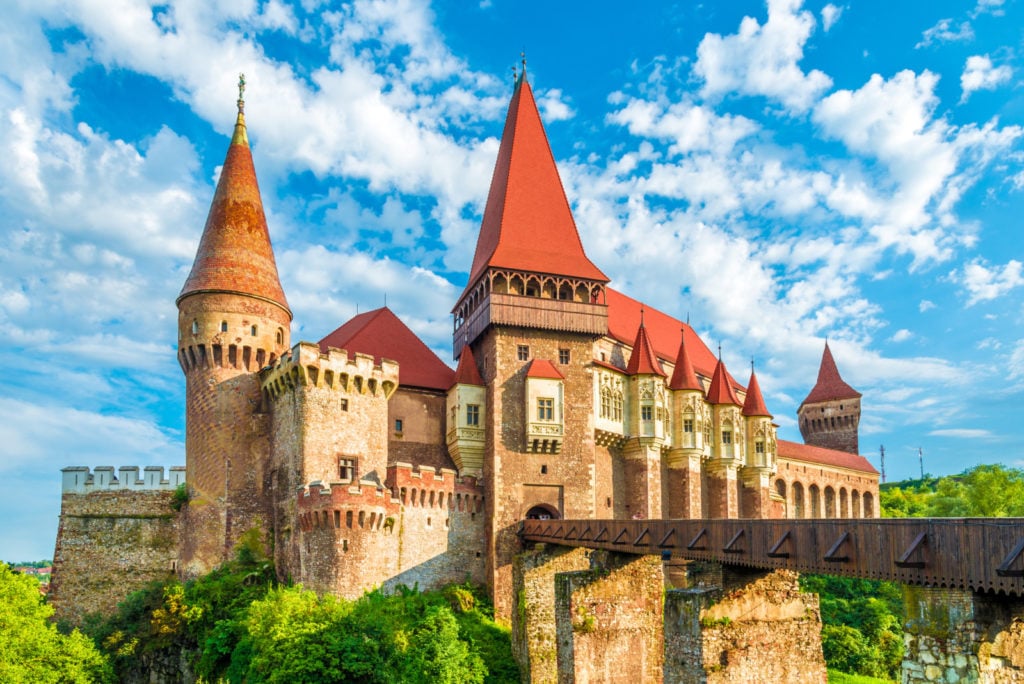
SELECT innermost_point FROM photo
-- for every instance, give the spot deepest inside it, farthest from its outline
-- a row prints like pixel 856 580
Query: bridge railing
pixel 981 554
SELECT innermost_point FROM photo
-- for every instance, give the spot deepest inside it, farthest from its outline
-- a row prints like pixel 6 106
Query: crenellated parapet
pixel 336 504
pixel 80 480
pixel 427 487
pixel 306 366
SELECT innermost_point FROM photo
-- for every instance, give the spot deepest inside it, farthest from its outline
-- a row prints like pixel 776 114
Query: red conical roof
pixel 234 253
pixel 720 391
pixel 683 377
pixel 643 360
pixel 829 386
pixel 467 372
pixel 527 223
pixel 754 404
pixel 381 333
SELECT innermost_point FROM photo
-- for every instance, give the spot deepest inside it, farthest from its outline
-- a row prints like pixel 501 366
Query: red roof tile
pixel 720 391
pixel 663 330
pixel 754 402
pixel 467 373
pixel 527 222
pixel 829 386
pixel 381 333
pixel 829 457
pixel 234 253
pixel 542 368
pixel 643 359
pixel 683 377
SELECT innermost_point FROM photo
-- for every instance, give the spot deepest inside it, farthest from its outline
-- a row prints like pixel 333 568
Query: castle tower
pixel 689 413
pixel 726 440
pixel 761 449
pixel 533 295
pixel 233 319
pixel 647 420
pixel 830 414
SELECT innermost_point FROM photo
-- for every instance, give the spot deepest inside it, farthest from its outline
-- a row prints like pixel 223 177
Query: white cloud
pixel 925 305
pixel 763 59
pixel 946 32
pixel 830 15
pixel 984 283
pixel 963 433
pixel 980 74
pixel 901 335
pixel 993 7
pixel 1015 366
pixel 553 106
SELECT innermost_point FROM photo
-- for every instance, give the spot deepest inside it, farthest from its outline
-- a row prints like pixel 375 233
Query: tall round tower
pixel 233 319
pixel 830 414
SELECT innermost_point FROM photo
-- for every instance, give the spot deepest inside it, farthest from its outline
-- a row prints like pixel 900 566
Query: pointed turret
pixel 830 385
pixel 720 391
pixel 234 253
pixel 683 376
pixel 467 372
pixel 753 405
pixel 830 414
pixel 643 360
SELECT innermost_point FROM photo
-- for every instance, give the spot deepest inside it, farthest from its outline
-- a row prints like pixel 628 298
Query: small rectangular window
pixel 223 326
pixel 758 447
pixel 472 414
pixel 523 352
pixel 253 330
pixel 726 436
pixel 545 409
pixel 398 425
pixel 344 404
pixel 563 356
pixel 346 469
pixel 687 425
pixel 646 413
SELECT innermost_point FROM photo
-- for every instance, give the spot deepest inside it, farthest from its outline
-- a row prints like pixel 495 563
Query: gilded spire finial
pixel 241 93
pixel 240 137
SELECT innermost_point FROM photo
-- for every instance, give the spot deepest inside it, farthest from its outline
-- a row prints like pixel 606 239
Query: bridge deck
pixel 981 554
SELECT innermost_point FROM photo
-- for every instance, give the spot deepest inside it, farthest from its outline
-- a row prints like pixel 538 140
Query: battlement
pixel 79 479
pixel 306 365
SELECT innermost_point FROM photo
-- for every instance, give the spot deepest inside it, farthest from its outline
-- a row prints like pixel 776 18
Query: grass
pixel 836 677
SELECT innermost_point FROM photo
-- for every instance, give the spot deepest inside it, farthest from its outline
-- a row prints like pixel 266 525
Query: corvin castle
pixel 365 460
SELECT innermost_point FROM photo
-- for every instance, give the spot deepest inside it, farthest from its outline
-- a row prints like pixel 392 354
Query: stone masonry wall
pixel 757 628
pixel 110 543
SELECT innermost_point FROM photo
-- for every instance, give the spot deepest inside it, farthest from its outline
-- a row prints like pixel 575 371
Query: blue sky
pixel 780 172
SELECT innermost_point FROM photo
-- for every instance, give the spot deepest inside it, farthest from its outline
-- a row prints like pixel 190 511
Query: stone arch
pixel 830 502
pixel 855 511
pixel 543 512
pixel 780 489
pixel 799 505
pixel 844 503
pixel 869 505
pixel 814 496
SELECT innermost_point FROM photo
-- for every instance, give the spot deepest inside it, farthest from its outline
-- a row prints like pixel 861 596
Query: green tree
pixel 990 491
pixel 31 648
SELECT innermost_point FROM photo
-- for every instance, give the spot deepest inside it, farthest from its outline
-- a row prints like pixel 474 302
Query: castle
pixel 367 461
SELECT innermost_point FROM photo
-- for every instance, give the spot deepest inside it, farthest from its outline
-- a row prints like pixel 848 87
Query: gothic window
pixel 606 403
pixel 707 434
pixel 545 409
pixel 472 414
pixel 646 413
pixel 280 336
pixel 346 469
pixel 563 356
pixel 523 352
pixel 617 407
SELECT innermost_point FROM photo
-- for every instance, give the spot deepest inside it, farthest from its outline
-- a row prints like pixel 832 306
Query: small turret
pixel 467 409
pixel 649 417
pixel 690 413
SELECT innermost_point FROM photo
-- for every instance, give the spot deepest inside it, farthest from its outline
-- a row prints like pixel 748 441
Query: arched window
pixel 815 496
pixel 799 509
pixel 280 336
pixel 195 327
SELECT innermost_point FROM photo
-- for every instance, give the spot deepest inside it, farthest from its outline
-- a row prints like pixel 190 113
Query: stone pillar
pixel 684 486
pixel 609 620
pixel 756 492
pixel 533 614
pixel 722 499
pixel 954 635
pixel 642 461
pixel 756 627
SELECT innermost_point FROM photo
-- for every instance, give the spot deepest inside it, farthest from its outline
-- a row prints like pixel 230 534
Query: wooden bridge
pixel 978 554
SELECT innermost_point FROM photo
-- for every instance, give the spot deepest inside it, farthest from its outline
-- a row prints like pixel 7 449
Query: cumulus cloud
pixel 763 59
pixel 925 305
pixel 946 31
pixel 985 283
pixel 901 335
pixel 830 15
pixel 980 74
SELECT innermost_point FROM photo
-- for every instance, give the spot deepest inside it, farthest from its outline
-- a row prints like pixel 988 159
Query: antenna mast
pixel 881 449
pixel 920 459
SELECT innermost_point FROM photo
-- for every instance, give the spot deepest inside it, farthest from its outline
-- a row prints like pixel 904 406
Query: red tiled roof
pixel 829 386
pixel 527 222
pixel 664 332
pixel 542 368
pixel 829 457
pixel 234 253
pixel 683 377
pixel 467 373
pixel 643 359
pixel 720 391
pixel 753 405
pixel 381 333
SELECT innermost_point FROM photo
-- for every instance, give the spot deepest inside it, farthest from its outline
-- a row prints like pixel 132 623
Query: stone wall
pixel 110 542
pixel 756 627
pixel 854 494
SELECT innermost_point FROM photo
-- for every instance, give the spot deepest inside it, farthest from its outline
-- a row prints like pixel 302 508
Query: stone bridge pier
pixel 598 616
pixel 952 635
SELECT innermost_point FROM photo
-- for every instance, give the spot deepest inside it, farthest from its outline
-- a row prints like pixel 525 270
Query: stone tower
pixel 233 319
pixel 532 309
pixel 830 414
